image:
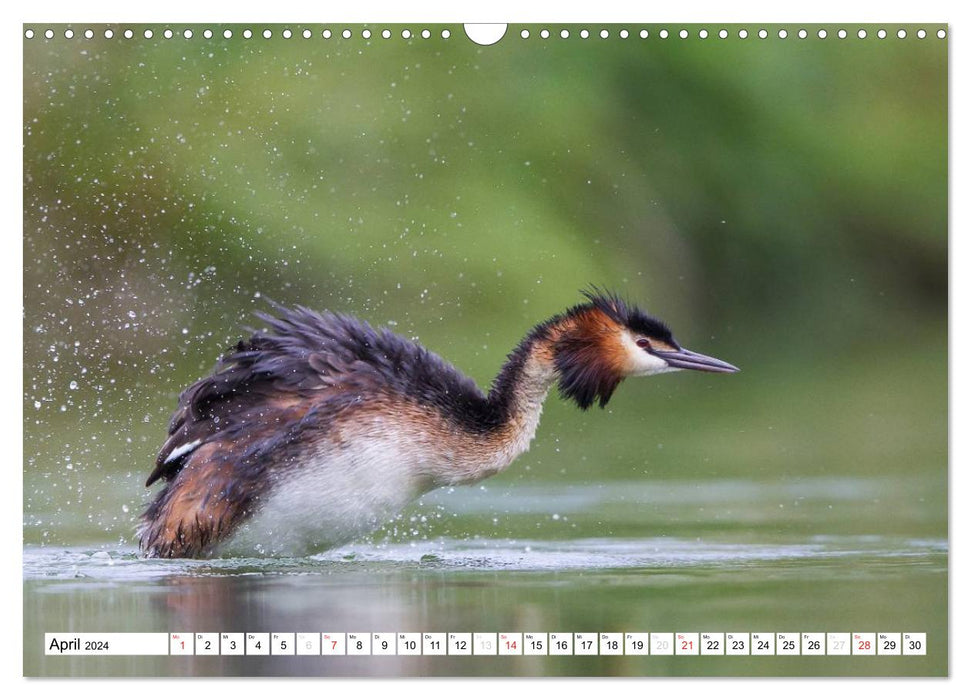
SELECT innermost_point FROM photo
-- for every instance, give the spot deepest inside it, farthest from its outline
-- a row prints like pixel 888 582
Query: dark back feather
pixel 305 354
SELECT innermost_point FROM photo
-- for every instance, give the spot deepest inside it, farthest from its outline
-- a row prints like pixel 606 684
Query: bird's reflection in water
pixel 336 602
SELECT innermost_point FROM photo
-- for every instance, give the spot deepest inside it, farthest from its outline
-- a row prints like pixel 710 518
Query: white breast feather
pixel 343 491
pixel 340 494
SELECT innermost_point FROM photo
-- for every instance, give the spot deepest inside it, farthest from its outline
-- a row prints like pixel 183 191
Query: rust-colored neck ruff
pixel 581 350
pixel 578 350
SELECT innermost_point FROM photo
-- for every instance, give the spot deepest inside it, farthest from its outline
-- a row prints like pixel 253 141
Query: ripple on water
pixel 85 563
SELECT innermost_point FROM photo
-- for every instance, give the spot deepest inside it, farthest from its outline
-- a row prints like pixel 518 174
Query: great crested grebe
pixel 322 428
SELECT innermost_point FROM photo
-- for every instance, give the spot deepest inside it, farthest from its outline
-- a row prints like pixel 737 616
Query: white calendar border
pixel 502 10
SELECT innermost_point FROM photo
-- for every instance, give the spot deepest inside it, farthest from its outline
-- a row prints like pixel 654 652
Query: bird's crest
pixel 590 356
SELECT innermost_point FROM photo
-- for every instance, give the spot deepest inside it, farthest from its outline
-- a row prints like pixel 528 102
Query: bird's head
pixel 606 340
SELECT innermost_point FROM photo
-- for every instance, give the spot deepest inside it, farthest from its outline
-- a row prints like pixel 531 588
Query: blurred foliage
pixel 781 203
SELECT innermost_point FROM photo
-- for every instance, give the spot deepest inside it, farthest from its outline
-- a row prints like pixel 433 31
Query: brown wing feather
pixel 201 507
pixel 220 483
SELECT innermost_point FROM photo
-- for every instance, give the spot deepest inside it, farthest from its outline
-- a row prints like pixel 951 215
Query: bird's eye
pixel 644 343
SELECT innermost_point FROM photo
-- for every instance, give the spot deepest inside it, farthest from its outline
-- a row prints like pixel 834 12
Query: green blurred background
pixel 781 203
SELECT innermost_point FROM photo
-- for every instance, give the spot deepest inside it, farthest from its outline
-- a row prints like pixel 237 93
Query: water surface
pixel 818 555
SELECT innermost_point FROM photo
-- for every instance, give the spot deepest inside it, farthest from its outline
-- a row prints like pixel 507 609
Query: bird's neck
pixel 517 396
pixel 564 350
pixel 526 377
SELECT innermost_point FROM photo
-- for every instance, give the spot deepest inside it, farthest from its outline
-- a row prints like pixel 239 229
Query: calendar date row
pixel 489 644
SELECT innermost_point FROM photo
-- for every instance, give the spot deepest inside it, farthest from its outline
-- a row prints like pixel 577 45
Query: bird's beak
pixel 685 359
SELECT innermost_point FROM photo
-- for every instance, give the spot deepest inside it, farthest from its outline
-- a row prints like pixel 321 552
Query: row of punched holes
pixel 482 34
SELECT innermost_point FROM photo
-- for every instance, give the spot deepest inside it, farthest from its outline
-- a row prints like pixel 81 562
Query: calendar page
pixel 427 349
